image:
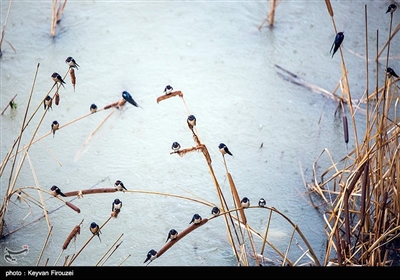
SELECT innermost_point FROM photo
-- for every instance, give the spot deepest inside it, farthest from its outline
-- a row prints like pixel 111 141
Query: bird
pixel 57 78
pixel 224 149
pixel 390 72
pixel 119 185
pixel 168 89
pixel 261 202
pixel 116 205
pixel 175 146
pixel 191 121
pixel 337 42
pixel 54 126
pixel 151 255
pixel 196 219
pixel 391 8
pixel 172 235
pixel 48 101
pixel 71 62
pixel 215 211
pixel 56 191
pixel 128 97
pixel 245 202
pixel 95 229
pixel 93 108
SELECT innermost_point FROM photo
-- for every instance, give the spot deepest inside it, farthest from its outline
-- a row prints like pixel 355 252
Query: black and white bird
pixel 151 255
pixel 224 149
pixel 191 121
pixel 119 186
pixel 390 72
pixel 56 191
pixel 391 8
pixel 58 79
pixel 196 219
pixel 175 146
pixel 261 202
pixel 215 211
pixel 337 42
pixel 71 62
pixel 95 229
pixel 48 101
pixel 116 205
pixel 168 90
pixel 172 235
pixel 93 108
pixel 245 202
pixel 54 126
pixel 128 97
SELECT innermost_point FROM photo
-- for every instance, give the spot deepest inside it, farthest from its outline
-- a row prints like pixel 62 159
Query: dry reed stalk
pixel 271 14
pixel 9 104
pixel 44 245
pixel 4 29
pixel 90 191
pixel 109 249
pixel 56 13
pixel 86 243
pixel 113 251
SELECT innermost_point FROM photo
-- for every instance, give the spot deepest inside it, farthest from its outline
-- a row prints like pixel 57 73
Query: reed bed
pixel 360 193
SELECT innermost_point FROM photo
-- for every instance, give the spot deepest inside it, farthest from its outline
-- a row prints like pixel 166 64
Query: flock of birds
pixel 340 37
pixel 119 186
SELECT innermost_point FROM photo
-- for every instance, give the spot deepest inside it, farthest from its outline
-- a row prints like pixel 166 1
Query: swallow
pixel 215 211
pixel 172 235
pixel 175 146
pixel 151 255
pixel 119 186
pixel 391 8
pixel 116 205
pixel 336 44
pixel 55 126
pixel 95 229
pixel 224 149
pixel 245 202
pixel 48 101
pixel 56 191
pixel 168 90
pixel 57 78
pixel 128 97
pixel 390 72
pixel 261 202
pixel 93 108
pixel 191 121
pixel 71 62
pixel 196 219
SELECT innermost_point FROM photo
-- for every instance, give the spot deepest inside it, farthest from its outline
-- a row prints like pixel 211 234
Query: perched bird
pixel 55 126
pixel 57 78
pixel 128 97
pixel 71 62
pixel 390 72
pixel 119 185
pixel 245 202
pixel 116 205
pixel 336 44
pixel 93 108
pixel 151 255
pixel 95 229
pixel 261 202
pixel 196 219
pixel 224 149
pixel 175 146
pixel 172 234
pixel 391 8
pixel 191 121
pixel 56 191
pixel 215 211
pixel 48 101
pixel 168 89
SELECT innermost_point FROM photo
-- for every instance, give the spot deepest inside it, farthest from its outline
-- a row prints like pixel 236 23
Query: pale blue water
pixel 215 54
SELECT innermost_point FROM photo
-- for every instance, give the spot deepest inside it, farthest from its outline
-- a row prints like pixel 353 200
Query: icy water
pixel 214 53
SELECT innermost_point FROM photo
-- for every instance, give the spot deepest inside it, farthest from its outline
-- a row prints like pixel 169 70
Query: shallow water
pixel 215 54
